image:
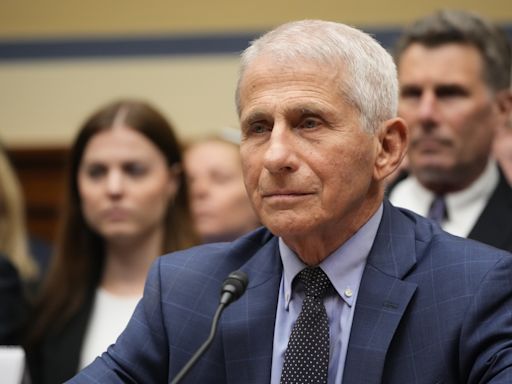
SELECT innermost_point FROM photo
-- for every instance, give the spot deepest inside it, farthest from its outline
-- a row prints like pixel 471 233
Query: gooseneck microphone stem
pixel 232 288
pixel 202 349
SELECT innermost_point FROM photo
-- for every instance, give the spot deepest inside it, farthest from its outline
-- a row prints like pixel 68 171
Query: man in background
pixel 454 75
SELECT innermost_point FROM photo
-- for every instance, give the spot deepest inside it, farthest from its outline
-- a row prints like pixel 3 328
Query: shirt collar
pixel 344 266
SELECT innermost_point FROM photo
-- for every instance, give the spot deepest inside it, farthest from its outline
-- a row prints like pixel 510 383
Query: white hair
pixel 371 83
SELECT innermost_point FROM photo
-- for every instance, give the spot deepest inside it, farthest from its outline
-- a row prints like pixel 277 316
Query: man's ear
pixel 504 103
pixel 393 139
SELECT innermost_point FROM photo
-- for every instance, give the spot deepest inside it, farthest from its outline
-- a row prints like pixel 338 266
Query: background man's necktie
pixel 438 210
pixel 306 359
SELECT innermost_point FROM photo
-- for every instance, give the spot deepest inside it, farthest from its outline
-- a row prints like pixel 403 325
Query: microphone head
pixel 234 286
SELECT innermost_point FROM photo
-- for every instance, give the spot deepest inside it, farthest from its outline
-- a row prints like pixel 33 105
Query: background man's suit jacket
pixel 432 308
pixel 494 226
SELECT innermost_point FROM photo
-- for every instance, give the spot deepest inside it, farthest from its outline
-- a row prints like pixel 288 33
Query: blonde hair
pixel 13 232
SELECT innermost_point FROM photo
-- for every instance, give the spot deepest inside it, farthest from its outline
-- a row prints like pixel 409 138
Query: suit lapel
pixel 493 226
pixel 248 324
pixel 382 300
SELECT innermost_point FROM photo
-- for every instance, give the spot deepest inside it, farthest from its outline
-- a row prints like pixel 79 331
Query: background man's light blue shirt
pixel 344 267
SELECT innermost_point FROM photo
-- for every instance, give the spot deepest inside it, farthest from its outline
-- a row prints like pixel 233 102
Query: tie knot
pixel 316 282
pixel 438 211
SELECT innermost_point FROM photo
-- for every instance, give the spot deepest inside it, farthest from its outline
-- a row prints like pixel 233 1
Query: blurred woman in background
pixel 127 204
pixel 221 208
pixel 14 239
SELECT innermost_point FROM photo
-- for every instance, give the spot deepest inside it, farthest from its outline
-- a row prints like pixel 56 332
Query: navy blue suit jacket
pixel 432 308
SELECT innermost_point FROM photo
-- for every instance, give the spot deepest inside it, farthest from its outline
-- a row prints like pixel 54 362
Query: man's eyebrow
pixel 254 116
pixel 310 110
pixel 410 86
pixel 451 88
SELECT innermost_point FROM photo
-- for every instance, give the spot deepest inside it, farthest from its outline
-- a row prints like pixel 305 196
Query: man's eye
pixel 309 123
pixel 258 128
pixel 450 91
pixel 410 93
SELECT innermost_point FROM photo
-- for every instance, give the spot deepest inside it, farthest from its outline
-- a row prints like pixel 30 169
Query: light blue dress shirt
pixel 344 267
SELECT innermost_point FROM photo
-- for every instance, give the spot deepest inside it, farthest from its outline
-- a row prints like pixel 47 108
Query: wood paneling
pixel 42 173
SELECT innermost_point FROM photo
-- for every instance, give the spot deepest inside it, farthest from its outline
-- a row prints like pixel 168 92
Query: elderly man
pixel 454 74
pixel 343 287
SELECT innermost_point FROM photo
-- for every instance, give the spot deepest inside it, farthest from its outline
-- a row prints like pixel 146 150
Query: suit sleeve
pixel 11 303
pixel 486 336
pixel 140 354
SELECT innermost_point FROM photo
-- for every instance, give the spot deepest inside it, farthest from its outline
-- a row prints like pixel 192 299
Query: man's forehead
pixel 448 52
pixel 454 62
pixel 269 62
pixel 306 72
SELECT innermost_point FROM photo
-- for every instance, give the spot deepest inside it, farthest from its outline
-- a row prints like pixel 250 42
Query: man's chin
pixel 433 176
pixel 288 229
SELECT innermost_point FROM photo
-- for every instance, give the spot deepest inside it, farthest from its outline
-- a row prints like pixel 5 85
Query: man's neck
pixel 317 245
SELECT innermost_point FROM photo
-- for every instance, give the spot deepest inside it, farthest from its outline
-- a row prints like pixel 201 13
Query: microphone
pixel 232 288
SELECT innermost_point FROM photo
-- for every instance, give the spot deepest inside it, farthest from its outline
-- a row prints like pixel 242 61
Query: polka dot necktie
pixel 306 359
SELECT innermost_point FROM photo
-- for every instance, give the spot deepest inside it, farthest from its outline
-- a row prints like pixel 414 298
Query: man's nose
pixel 428 111
pixel 428 107
pixel 280 152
